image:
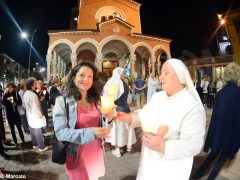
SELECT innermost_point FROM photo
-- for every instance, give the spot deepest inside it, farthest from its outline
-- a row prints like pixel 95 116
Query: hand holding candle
pixel 156 141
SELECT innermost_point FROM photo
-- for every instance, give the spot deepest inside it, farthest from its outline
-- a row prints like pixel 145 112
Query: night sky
pixel 189 23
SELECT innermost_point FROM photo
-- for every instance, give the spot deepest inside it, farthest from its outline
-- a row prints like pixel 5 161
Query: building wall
pixel 106 32
pixel 89 8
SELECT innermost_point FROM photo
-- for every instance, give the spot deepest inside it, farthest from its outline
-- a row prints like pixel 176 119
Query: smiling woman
pixel 83 127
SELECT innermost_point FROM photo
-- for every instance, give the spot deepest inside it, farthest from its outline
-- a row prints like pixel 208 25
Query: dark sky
pixel 189 23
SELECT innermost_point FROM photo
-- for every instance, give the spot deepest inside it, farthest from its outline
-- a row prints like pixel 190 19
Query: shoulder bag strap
pixel 66 107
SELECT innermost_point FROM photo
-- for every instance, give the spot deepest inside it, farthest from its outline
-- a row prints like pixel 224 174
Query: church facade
pixel 108 34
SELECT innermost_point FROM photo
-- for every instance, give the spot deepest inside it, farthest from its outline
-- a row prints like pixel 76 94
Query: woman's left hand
pixel 154 141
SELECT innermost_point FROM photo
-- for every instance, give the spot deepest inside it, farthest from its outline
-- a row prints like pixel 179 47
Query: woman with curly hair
pixel 77 120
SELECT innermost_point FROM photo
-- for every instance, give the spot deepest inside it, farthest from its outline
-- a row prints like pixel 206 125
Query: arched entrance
pixel 86 52
pixel 142 66
pixel 161 57
pixel 115 54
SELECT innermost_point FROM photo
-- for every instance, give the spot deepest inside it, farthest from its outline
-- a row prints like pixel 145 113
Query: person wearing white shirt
pixel 35 117
pixel 219 84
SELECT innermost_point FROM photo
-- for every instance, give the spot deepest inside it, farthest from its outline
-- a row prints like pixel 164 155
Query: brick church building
pixel 109 34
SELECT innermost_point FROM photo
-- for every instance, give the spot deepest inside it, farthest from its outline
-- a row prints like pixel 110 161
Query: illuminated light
pixel 219 16
pixel 225 38
pixel 222 21
pixel 24 35
pixel 75 19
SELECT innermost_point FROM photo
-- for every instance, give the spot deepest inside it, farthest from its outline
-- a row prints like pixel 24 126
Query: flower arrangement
pixel 131 79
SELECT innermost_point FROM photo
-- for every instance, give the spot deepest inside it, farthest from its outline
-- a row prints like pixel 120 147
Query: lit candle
pixel 44 92
pixel 147 127
pixel 107 105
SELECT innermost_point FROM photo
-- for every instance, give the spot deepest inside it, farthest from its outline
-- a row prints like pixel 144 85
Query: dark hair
pixel 29 83
pixel 11 84
pixel 70 88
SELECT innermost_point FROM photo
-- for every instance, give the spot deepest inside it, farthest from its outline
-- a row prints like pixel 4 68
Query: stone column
pixel 54 63
pixel 99 61
pixel 132 62
pixel 143 68
pixel 60 75
pixel 213 73
pixel 73 59
pixel 158 65
pixel 49 58
pixel 153 62
pixel 149 67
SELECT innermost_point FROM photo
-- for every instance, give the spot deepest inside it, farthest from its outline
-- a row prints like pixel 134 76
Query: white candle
pixel 147 127
pixel 107 105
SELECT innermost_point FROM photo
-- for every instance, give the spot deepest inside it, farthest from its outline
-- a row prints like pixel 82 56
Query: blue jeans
pixel 37 137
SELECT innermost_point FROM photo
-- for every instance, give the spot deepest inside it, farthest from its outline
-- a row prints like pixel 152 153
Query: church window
pixel 103 18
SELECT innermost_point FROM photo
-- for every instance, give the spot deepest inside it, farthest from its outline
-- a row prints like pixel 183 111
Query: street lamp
pixel 25 35
pixel 223 23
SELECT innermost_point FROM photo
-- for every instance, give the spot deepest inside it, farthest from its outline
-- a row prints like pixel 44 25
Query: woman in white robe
pixel 120 135
pixel 170 156
pixel 151 87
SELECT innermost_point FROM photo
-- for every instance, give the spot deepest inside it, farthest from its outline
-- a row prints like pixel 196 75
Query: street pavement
pixel 27 163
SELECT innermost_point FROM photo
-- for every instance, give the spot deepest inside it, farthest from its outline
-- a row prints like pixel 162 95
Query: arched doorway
pixel 141 65
pixel 86 52
pixel 114 55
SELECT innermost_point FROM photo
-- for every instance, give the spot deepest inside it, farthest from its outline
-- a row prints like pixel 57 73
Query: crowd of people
pixel 25 106
pixel 170 111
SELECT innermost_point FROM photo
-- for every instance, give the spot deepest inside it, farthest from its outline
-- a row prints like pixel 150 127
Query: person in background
pixel 23 116
pixel 119 132
pixel 204 86
pixel 82 126
pixel 211 94
pixel 223 133
pixel 174 126
pixel 2 128
pixel 43 96
pixel 35 117
pixel 151 86
pixel 158 84
pixel 140 86
pixel 220 84
pixel 12 100
pixel 54 93
pixel 2 152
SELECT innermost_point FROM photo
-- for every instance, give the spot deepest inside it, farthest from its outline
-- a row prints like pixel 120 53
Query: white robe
pixel 186 120
pixel 151 88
